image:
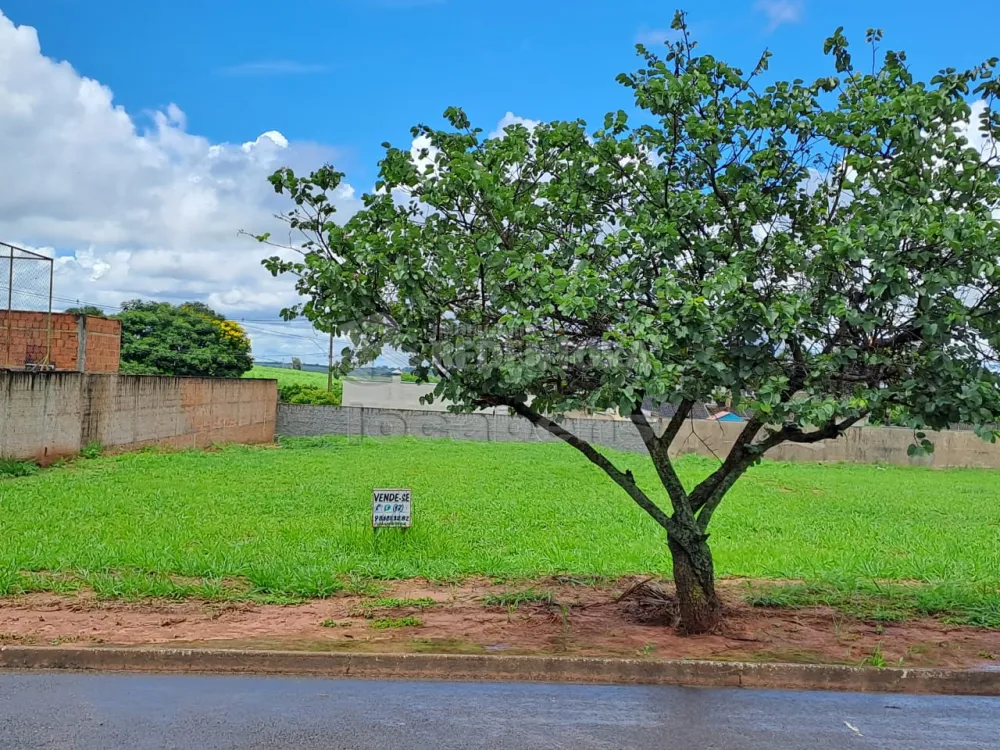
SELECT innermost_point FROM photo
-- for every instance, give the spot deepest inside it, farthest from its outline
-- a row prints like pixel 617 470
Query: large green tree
pixel 816 251
pixel 189 339
pixel 91 310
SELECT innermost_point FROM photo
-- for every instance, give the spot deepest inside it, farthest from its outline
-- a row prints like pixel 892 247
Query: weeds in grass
pixel 373 607
pixel 396 622
pixel 328 623
pixel 393 603
pixel 987 655
pixel 580 580
pixel 93 449
pixel 648 649
pixel 516 598
pixel 11 468
pixel 358 586
pixel 563 638
pixel 876 658
pixel 962 604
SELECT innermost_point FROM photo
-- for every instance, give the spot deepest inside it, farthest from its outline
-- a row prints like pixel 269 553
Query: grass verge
pixel 294 523
pixel 961 604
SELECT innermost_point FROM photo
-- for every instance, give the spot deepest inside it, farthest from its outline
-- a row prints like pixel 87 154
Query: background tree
pixel 189 339
pixel 92 310
pixel 296 363
pixel 817 252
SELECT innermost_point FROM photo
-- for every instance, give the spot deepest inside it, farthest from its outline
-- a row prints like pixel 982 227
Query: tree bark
pixel 694 578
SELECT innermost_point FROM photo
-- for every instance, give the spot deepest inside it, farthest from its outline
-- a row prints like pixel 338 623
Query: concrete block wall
pixel 395 394
pixel 47 415
pixel 68 342
pixel 885 445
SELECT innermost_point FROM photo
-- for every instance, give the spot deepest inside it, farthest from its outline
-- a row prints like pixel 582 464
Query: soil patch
pixel 545 616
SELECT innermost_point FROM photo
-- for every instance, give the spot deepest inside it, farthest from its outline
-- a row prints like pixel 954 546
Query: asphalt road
pixel 101 712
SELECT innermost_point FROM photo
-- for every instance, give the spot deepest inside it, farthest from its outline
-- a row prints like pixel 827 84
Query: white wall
pixel 395 394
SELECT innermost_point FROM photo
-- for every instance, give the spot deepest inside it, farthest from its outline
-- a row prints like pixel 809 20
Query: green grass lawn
pixel 295 520
pixel 288 377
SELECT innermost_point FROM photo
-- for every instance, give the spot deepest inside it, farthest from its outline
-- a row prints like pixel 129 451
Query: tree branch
pixel 659 451
pixel 677 421
pixel 622 479
pixel 795 434
pixel 751 452
pixel 738 453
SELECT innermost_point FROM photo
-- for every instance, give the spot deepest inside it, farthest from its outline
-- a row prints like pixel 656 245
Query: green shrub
pixel 93 449
pixel 11 468
pixel 297 393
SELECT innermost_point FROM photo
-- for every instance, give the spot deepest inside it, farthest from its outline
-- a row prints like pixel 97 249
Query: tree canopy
pixel 188 339
pixel 91 310
pixel 816 252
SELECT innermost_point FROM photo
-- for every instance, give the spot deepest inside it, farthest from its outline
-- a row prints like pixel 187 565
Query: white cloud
pixel 423 153
pixel 511 119
pixel 148 211
pixel 133 211
pixel 972 131
pixel 651 37
pixel 780 12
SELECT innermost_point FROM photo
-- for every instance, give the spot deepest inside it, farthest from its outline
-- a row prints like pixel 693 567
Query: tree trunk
pixel 694 577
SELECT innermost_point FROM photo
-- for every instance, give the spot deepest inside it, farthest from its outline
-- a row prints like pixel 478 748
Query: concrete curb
pixel 506 668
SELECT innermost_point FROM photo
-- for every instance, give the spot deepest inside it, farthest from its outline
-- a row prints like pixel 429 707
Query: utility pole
pixel 329 370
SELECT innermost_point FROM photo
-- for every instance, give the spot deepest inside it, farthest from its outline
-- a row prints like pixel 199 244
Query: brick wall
pixel 68 342
pixel 46 415
pixel 103 344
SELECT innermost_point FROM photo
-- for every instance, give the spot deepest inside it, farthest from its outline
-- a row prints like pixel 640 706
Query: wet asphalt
pixel 100 712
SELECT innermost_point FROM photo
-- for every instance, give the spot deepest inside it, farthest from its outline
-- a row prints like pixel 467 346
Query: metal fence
pixel 25 309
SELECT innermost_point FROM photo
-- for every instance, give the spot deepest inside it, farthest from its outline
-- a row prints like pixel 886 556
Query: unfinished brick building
pixel 58 341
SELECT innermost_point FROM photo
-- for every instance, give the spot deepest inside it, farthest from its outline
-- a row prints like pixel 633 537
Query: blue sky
pixel 352 73
pixel 139 133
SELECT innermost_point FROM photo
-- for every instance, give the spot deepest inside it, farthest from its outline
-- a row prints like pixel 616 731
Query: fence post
pixel 10 301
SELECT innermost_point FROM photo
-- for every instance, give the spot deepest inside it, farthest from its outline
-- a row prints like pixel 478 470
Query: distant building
pixel 698 411
pixel 726 416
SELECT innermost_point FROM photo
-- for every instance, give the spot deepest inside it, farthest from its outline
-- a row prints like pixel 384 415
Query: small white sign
pixel 391 509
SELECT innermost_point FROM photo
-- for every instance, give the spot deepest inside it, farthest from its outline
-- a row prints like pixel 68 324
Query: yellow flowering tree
pixel 188 339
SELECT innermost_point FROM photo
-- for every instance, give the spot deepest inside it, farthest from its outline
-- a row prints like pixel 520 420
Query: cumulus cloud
pixel 133 207
pixel 780 12
pixel 136 211
pixel 511 119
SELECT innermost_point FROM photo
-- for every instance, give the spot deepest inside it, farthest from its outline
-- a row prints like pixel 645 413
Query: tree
pixel 91 310
pixel 296 363
pixel 189 339
pixel 815 252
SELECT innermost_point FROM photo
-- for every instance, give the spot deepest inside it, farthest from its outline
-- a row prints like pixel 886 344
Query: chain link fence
pixel 25 309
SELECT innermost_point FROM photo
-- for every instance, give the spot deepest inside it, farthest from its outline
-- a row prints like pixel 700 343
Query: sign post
pixel 391 509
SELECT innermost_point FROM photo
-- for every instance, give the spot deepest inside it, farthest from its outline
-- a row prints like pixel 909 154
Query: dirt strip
pixel 580 620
